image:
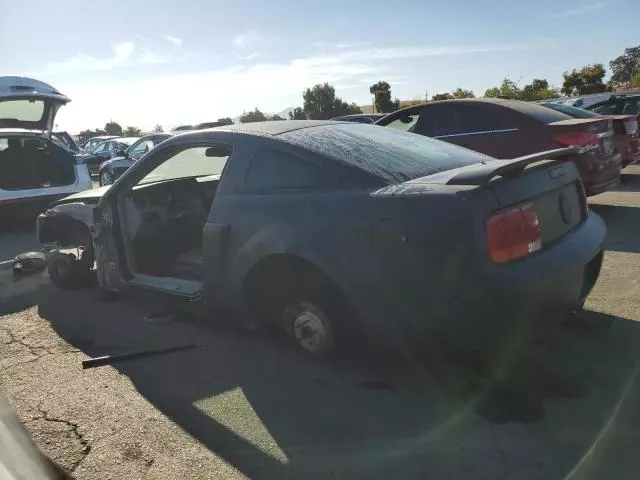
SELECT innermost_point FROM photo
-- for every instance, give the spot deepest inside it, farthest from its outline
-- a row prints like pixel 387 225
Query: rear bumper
pixel 488 308
pixel 599 174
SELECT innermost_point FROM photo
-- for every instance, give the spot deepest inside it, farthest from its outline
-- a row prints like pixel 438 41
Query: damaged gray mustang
pixel 322 228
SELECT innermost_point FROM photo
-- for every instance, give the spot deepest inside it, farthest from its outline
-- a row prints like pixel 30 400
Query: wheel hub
pixel 309 331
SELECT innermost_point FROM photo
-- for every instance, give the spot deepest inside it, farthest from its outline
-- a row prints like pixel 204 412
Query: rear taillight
pixel 587 140
pixel 513 233
pixel 630 126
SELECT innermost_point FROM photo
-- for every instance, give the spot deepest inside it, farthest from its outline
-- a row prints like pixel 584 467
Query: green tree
pixel 85 135
pixel 297 114
pixel 381 92
pixel 507 88
pixel 538 90
pixel 321 103
pixel 254 116
pixel 585 80
pixel 113 128
pixel 276 117
pixel 460 93
pixel 635 80
pixel 625 67
pixel 132 132
pixel 225 121
pixel 157 129
pixel 441 96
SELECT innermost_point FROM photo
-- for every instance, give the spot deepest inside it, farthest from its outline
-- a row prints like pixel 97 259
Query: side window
pixel 271 170
pixel 102 147
pixel 631 107
pixel 141 148
pixel 606 109
pixel 405 123
pixel 441 121
pixel 464 119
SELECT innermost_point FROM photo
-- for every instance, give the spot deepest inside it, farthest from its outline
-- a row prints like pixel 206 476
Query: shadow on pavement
pixel 621 237
pixel 274 414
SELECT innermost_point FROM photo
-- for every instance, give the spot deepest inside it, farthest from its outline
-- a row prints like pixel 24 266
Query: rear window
pixel 389 154
pixel 571 111
pixel 22 110
pixel 537 112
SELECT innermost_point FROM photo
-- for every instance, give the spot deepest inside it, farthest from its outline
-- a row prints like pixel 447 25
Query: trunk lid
pixel 586 133
pixel 552 190
pixel 26 103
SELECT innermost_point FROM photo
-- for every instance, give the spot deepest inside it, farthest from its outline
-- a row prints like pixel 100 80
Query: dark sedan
pixel 323 228
pixel 111 170
pixel 510 128
pixel 104 151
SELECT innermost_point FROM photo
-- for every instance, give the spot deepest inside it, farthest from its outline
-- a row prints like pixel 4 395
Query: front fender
pixel 52 225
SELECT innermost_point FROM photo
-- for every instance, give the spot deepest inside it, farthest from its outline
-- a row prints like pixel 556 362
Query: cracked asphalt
pixel 244 405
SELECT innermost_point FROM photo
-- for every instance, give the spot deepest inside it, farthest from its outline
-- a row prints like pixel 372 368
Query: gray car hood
pixel 88 196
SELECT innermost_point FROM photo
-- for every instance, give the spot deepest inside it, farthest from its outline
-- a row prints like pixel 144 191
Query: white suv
pixel 35 167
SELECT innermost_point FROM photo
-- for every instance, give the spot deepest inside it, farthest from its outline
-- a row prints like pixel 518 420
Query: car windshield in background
pixel 392 155
pixel 22 110
pixel 569 110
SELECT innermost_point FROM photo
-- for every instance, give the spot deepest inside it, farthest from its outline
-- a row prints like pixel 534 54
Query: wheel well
pixel 280 274
pixel 68 232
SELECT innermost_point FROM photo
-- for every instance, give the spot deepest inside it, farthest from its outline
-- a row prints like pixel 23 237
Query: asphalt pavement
pixel 245 405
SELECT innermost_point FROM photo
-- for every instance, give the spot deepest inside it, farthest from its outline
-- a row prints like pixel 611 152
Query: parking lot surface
pixel 244 405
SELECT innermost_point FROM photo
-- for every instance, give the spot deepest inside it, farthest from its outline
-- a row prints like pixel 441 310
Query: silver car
pixel 35 166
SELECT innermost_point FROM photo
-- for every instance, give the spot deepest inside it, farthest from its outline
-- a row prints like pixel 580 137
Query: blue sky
pixel 143 63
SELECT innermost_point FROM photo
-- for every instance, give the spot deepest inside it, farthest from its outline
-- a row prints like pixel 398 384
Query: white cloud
pixel 584 9
pixel 124 54
pixel 340 45
pixel 250 56
pixel 248 39
pixel 199 97
pixel 175 40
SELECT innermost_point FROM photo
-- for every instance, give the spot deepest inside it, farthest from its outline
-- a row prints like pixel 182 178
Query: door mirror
pixel 121 153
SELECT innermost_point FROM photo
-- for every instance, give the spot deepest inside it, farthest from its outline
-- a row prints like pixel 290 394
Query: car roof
pixel 271 127
pixel 526 108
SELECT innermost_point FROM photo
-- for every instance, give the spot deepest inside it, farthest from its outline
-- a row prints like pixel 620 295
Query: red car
pixel 626 137
pixel 509 129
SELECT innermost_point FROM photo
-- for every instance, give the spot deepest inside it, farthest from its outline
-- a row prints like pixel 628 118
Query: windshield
pixel 392 155
pixel 188 163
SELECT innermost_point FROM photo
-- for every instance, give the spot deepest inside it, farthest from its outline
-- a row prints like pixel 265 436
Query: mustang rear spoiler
pixel 482 173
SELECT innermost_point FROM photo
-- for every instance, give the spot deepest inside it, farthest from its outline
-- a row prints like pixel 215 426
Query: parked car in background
pixel 619 104
pixel 182 128
pixel 106 150
pixel 35 167
pixel 586 100
pixel 67 139
pixel 509 128
pixel 93 141
pixel 322 227
pixel 626 137
pixel 111 170
pixel 360 117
